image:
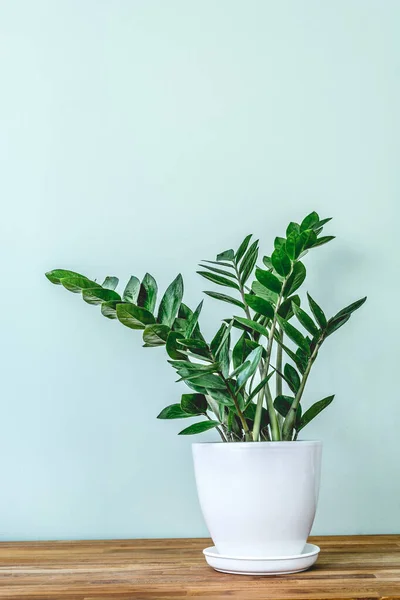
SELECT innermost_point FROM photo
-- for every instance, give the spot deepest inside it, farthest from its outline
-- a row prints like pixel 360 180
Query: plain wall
pixel 144 136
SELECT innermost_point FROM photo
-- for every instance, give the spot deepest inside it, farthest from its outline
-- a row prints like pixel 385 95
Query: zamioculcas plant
pixel 249 381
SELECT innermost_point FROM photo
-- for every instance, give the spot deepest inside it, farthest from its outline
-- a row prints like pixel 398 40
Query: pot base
pixel 280 565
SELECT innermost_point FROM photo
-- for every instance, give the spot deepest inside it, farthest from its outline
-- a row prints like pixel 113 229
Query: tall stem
pixel 239 412
pixel 289 422
pixel 279 357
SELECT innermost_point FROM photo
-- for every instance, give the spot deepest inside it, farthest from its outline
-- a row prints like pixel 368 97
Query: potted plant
pixel 258 490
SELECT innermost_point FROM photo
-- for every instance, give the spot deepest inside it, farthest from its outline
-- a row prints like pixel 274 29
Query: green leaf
pixel 292 377
pixel 335 324
pixel 109 309
pixel 199 427
pixel 307 239
pixel 148 293
pixel 219 263
pixel 294 334
pixel 348 310
pixel 263 292
pixel 281 262
pixel 279 242
pixel 110 283
pixel 323 240
pixel 283 403
pixel 306 321
pixel 286 308
pixel 219 271
pixel 321 223
pixel 269 280
pixel 193 319
pixel 133 316
pixel 292 244
pixel 221 396
pixel 292 227
pixel 196 346
pixel 226 255
pixel 242 248
pixel 248 262
pixel 223 354
pixel 171 302
pixel 317 312
pixel 56 275
pixel 194 404
pixel 208 381
pixel 225 298
pixel 313 411
pixel 309 221
pixel 155 335
pixel 132 290
pixel 218 279
pixel 268 262
pixel 77 283
pixel 252 325
pixel 296 278
pixel 173 411
pixel 172 346
pixel 98 295
pixel 240 350
pixel 251 363
pixel 260 305
pixel 259 387
pixel 298 360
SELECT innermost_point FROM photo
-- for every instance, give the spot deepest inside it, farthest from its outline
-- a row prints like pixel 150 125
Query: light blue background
pixel 145 135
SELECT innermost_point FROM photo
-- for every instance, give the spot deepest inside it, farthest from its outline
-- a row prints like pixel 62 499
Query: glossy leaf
pixel 351 308
pixel 321 223
pixel 131 290
pixel 56 275
pixel 223 272
pixel 307 239
pixel 226 255
pixel 296 278
pixel 294 334
pixel 77 283
pixel 292 378
pixel 208 381
pixel 109 309
pixel 263 292
pixel 260 305
pixel 155 334
pixel 281 262
pixel 171 302
pixel 252 325
pixel 98 295
pixel 173 411
pixel 196 346
pixel 323 240
pixel 251 363
pixel 286 309
pixel 335 324
pixel 309 221
pixel 133 316
pixel 110 283
pixel 259 387
pixel 248 262
pixel 199 427
pixel 268 262
pixel 242 248
pixel 269 280
pixel 194 404
pixel 148 293
pixel 317 312
pixel 279 243
pixel 306 321
pixel 218 279
pixel 313 411
pixel 193 320
pixel 172 346
pixel 240 350
pixel 225 298
pixel 292 227
pixel 283 403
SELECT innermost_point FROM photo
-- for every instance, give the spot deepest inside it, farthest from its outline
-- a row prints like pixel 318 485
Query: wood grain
pixel 349 567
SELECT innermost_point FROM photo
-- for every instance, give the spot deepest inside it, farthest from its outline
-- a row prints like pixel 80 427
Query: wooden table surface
pixel 348 567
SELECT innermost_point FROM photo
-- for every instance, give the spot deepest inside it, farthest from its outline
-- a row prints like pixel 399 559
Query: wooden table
pixel 348 567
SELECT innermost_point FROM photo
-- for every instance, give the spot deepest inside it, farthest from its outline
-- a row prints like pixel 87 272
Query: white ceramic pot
pixel 258 498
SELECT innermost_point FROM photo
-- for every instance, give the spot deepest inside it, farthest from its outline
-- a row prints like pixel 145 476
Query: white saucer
pixel 275 565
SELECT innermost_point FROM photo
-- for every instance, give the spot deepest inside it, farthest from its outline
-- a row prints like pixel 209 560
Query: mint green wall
pixel 145 135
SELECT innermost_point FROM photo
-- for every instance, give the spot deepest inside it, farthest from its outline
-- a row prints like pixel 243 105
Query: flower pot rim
pixel 260 444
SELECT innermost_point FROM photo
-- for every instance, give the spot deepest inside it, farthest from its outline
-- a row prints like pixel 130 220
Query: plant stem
pixel 239 412
pixel 289 422
pixel 279 356
pixel 223 438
